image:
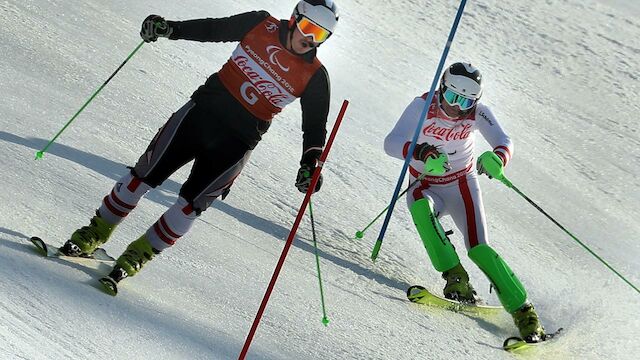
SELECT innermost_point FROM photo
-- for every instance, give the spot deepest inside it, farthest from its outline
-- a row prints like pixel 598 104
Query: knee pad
pixel 441 252
pixel 510 290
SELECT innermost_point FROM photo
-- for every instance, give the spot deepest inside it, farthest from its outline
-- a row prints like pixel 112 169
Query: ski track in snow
pixel 560 75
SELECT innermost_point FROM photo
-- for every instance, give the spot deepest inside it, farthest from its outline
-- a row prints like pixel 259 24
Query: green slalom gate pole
pixel 360 233
pixel 510 185
pixel 325 320
pixel 40 153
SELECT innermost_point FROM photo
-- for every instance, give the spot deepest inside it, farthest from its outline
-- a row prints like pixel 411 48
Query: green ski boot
pixel 135 256
pixel 87 239
pixel 128 264
pixel 458 287
pixel 526 319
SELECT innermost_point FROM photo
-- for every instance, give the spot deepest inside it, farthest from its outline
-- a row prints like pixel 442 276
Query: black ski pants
pixel 194 132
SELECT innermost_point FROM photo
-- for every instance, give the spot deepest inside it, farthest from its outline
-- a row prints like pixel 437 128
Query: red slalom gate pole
pixel 292 234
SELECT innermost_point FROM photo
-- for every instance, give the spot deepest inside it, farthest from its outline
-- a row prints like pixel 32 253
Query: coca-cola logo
pixel 273 93
pixel 447 134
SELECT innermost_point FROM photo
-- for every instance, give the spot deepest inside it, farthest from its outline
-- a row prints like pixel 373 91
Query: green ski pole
pixel 325 320
pixel 40 153
pixel 432 166
pixel 360 233
pixel 510 185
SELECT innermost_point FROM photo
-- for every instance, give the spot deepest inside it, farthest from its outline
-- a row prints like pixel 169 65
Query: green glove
pixel 489 163
pixel 435 162
pixel 437 166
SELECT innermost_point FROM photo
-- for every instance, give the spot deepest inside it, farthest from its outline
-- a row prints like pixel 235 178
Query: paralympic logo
pixel 271 27
pixel 273 50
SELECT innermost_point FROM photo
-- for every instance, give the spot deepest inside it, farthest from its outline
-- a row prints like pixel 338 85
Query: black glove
pixel 307 168
pixel 423 151
pixel 303 180
pixel 155 26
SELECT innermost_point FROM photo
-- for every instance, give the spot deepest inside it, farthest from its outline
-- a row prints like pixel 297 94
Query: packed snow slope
pixel 562 76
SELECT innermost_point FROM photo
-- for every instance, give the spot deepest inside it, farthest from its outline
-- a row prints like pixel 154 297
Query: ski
pixel 419 295
pixel 100 255
pixel 100 260
pixel 110 282
pixel 109 285
pixel 517 344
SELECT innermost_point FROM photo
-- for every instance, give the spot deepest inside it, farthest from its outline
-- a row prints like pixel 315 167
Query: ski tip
pixel 516 343
pixel 35 239
pixel 413 292
pixel 40 245
pixel 109 285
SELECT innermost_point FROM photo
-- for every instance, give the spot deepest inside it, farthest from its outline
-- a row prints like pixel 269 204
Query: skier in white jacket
pixel 444 157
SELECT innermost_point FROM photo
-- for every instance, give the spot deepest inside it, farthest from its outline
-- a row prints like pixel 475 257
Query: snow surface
pixel 562 76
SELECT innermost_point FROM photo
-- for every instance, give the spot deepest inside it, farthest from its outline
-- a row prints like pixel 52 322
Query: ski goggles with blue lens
pixel 452 98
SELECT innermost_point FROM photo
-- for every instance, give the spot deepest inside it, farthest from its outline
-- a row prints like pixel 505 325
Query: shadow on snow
pixel 170 189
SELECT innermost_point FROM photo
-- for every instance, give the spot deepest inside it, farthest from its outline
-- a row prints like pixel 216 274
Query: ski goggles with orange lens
pixel 452 98
pixel 309 28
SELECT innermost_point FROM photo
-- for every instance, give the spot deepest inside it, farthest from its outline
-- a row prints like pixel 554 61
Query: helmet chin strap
pixel 446 113
pixel 441 106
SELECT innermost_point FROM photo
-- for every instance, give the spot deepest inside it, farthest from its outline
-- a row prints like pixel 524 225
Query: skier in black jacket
pixel 274 63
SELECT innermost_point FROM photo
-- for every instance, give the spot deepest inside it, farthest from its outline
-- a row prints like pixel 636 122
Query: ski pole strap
pixel 573 237
pixel 40 153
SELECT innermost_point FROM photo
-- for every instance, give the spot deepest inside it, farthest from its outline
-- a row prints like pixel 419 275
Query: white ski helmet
pixel 323 13
pixel 464 79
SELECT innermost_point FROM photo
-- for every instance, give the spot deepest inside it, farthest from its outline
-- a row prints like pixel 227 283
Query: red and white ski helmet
pixel 323 13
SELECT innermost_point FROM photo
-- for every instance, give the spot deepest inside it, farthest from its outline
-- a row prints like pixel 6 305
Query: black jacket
pixel 314 100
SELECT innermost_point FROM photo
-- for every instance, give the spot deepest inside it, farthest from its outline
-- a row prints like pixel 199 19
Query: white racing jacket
pixel 455 137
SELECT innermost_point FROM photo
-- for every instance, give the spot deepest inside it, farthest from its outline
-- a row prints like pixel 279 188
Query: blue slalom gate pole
pixel 423 116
